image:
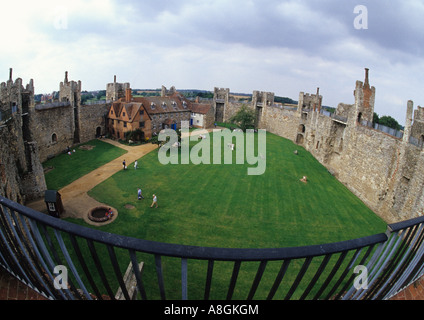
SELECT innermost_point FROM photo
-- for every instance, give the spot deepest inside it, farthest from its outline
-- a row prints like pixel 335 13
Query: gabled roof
pixel 116 108
pixel 156 105
pixel 130 108
pixel 202 108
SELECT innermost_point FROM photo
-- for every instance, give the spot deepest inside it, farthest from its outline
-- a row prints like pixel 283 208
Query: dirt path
pixel 75 199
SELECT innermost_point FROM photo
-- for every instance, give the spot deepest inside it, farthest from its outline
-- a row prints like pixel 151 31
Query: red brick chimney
pixel 128 95
pixel 366 83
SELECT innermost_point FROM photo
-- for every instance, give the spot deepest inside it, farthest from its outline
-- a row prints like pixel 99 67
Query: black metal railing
pixel 62 260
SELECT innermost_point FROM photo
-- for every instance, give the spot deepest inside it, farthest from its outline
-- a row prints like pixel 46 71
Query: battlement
pixel 419 114
pixel 166 93
pixel 364 99
pixel 116 90
pixel 262 98
pixel 309 101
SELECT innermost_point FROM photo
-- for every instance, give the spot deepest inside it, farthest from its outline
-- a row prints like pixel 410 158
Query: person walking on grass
pixel 135 164
pixel 155 201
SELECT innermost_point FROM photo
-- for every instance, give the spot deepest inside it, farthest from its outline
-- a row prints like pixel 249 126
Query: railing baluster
pixel 47 261
pixel 316 276
pixel 137 274
pixel 27 252
pixel 13 261
pixel 404 243
pixel 351 279
pixel 331 275
pixel 299 278
pixel 159 272
pixel 99 268
pixel 403 262
pixel 257 280
pixel 380 280
pixel 408 270
pixel 84 266
pixel 58 261
pixel 417 263
pixel 184 279
pixel 208 279
pixel 70 263
pixel 46 285
pixel 372 268
pixel 233 281
pixel 343 275
pixel 278 279
pixel 117 271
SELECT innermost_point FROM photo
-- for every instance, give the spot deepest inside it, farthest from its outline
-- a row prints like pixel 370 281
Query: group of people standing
pixel 139 193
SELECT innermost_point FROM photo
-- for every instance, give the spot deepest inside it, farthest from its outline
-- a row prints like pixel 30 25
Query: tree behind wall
pixel 387 121
pixel 244 118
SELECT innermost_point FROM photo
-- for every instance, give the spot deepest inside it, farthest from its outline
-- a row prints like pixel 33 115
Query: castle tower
pixel 310 102
pixel 364 99
pixel 21 172
pixel 260 102
pixel 116 90
pixel 221 99
pixel 70 91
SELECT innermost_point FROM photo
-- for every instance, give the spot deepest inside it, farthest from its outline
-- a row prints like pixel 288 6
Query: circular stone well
pixel 99 214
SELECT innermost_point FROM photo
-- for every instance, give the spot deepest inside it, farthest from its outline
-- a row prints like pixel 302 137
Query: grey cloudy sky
pixel 271 45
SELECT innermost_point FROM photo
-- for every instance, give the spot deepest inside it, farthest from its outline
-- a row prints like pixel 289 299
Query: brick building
pixel 147 114
pixel 127 115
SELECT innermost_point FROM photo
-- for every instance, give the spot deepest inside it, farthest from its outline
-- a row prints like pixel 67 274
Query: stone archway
pixel 300 139
pixel 98 132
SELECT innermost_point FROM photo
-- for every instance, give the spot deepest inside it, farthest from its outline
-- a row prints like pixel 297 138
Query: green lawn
pixel 68 168
pixel 222 206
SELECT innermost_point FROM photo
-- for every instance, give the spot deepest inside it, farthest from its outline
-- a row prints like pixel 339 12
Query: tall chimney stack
pixel 128 95
pixel 366 78
pixel 10 74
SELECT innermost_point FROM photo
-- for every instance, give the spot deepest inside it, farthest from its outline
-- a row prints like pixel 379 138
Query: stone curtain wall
pixel 385 172
pixel 58 121
pixel 93 117
pixel 282 122
pixel 21 173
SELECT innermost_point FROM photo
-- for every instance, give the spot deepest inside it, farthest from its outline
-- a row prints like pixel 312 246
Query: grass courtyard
pixel 221 206
pixel 64 169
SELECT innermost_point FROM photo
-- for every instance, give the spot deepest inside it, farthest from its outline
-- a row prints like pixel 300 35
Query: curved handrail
pixel 195 252
pixel 394 259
